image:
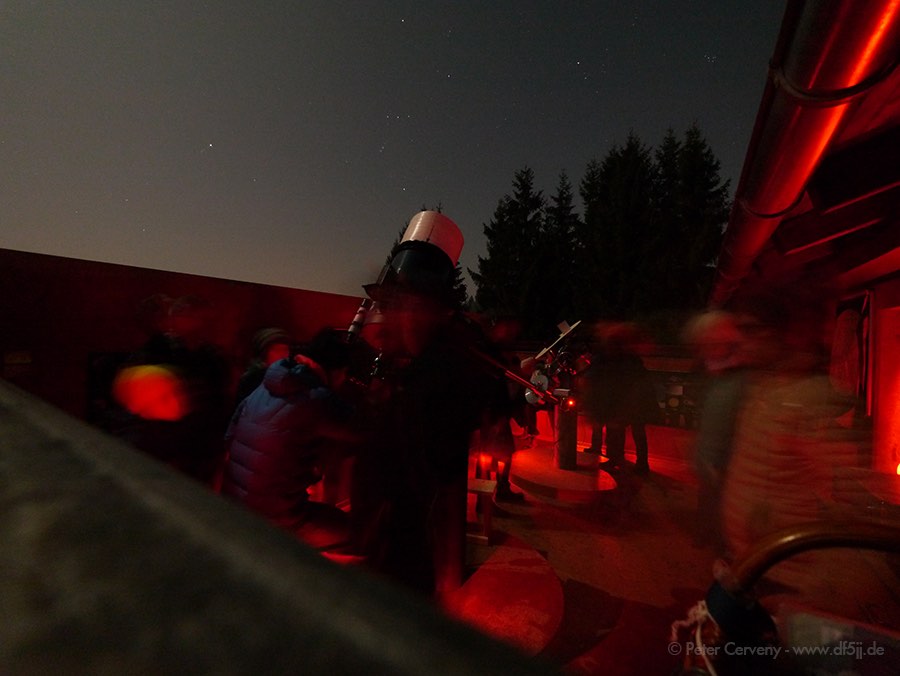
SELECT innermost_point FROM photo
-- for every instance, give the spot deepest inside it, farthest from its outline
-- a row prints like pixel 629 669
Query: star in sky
pixel 341 123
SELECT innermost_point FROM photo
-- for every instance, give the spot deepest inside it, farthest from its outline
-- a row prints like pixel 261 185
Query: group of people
pixel 295 417
pixel 618 394
pixel 405 425
pixel 777 422
pixel 771 429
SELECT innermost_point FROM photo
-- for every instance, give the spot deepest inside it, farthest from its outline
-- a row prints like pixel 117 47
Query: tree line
pixel 643 247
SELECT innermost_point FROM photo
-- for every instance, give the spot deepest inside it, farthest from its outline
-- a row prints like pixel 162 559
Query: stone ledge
pixel 115 564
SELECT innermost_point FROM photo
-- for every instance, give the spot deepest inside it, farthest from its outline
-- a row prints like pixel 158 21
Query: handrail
pixel 731 601
pixel 781 545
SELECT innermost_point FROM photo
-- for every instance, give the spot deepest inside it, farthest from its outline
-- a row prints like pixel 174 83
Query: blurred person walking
pixel 795 430
pixel 722 349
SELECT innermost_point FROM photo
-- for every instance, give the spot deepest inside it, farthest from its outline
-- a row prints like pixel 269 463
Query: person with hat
pixel 409 481
pixel 269 345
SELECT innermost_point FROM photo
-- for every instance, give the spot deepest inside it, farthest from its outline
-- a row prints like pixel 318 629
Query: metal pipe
pixel 828 55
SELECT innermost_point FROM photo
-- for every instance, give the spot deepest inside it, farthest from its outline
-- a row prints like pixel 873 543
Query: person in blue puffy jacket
pixel 283 433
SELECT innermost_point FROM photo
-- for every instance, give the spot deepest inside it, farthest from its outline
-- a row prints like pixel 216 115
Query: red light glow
pixel 801 165
pixel 152 392
pixel 860 71
pixel 886 394
pixel 875 39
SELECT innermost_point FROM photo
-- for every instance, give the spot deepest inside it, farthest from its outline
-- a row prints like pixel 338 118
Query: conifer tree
pixel 645 246
pixel 556 254
pixel 667 239
pixel 588 275
pixel 507 276
pixel 703 208
pixel 618 199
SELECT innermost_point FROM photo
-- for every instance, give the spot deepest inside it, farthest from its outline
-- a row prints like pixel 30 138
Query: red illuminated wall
pixel 56 312
pixel 886 372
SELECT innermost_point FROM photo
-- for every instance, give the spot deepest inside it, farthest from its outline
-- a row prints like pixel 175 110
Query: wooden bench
pixel 484 496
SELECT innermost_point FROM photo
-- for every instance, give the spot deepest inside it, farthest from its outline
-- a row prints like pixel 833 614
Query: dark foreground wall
pixel 112 564
pixel 58 316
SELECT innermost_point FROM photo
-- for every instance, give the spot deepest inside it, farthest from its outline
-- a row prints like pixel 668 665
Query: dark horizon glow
pixel 290 143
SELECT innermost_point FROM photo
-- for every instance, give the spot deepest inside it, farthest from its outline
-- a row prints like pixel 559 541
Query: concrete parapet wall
pixel 113 564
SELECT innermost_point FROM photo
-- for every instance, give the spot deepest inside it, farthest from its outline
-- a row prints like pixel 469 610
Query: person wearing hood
pixel 283 433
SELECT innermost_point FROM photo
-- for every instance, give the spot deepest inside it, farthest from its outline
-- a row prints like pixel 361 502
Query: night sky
pixel 290 142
